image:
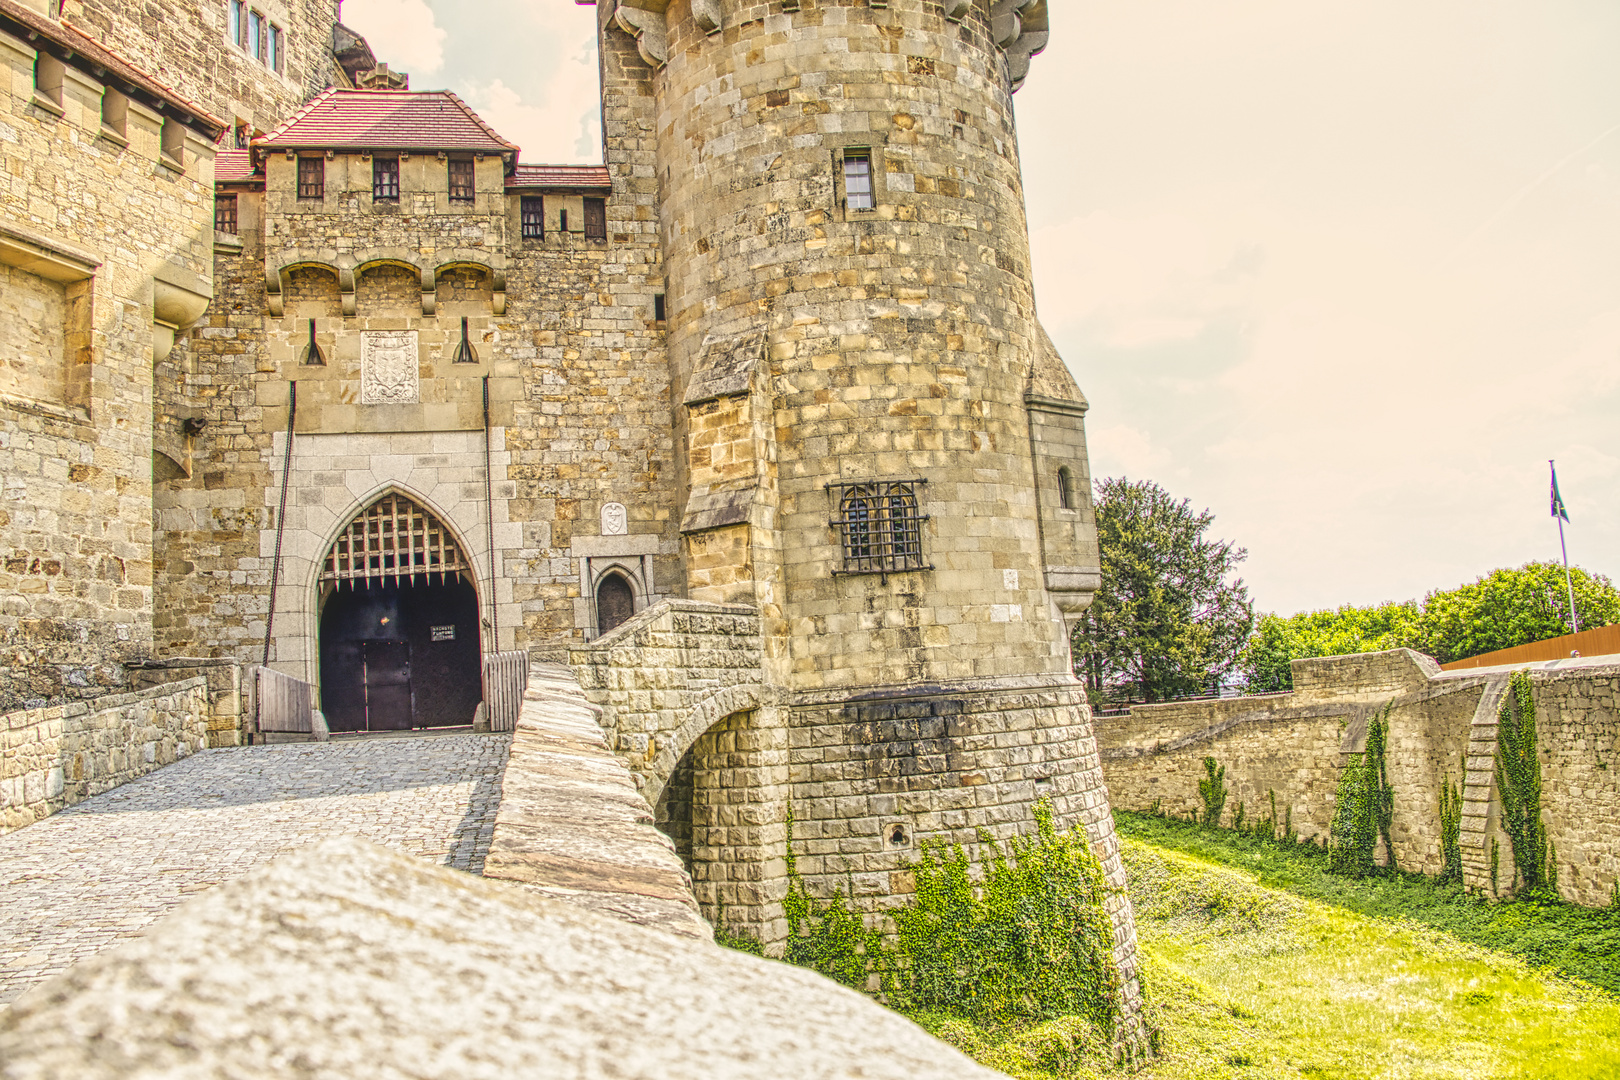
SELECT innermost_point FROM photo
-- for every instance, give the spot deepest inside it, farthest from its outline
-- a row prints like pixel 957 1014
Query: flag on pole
pixel 1558 508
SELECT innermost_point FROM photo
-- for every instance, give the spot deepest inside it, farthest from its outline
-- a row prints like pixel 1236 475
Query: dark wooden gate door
pixel 388 686
pixel 343 685
pixel 614 603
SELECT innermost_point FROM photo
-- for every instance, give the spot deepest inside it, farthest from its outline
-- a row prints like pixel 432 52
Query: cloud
pixel 402 33
pixel 561 123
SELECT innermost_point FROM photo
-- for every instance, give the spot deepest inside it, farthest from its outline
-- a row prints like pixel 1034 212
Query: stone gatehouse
pixel 755 422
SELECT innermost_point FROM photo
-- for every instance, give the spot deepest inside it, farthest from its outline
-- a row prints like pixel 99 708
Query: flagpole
pixel 1574 617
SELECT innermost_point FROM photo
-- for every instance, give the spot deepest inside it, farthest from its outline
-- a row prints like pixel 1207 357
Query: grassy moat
pixel 1258 963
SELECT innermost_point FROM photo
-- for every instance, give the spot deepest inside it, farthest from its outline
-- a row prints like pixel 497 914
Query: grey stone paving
pixel 85 878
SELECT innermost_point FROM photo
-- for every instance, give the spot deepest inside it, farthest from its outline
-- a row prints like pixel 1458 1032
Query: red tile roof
pixel 565 176
pixel 86 53
pixel 235 166
pixel 385 120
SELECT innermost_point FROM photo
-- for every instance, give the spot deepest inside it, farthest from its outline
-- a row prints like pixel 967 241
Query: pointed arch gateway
pixel 399 626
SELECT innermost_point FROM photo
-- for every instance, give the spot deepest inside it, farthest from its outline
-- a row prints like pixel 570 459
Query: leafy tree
pixel 1167 621
pixel 1278 640
pixel 1502 609
pixel 1512 607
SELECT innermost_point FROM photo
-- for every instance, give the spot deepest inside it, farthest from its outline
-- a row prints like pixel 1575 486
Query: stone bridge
pixel 344 956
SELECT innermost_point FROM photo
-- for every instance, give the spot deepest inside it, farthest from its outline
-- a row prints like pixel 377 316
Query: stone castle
pixel 754 424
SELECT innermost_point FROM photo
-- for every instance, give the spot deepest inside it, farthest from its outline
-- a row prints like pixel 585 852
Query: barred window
pixel 879 526
pixel 534 217
pixel 311 178
pixel 225 213
pixel 384 179
pixel 596 219
pixel 461 181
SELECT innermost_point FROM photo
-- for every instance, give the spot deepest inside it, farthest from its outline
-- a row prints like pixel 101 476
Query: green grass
pixel 1254 982
pixel 1582 943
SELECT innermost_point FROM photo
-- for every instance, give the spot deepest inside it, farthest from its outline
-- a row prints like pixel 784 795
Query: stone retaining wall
pixel 54 757
pixel 1442 730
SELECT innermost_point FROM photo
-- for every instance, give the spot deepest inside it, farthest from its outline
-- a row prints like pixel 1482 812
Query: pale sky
pixel 1346 273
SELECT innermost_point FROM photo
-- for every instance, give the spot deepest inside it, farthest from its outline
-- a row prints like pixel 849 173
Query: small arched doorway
pixel 615 602
pixel 399 643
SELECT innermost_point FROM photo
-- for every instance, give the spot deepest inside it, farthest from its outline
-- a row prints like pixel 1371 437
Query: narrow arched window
pixel 1066 494
pixel 615 602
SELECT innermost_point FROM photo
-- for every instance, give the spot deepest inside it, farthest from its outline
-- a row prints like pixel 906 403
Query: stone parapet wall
pixel 57 756
pixel 571 824
pixel 1442 730
pixel 668 675
pixel 227 700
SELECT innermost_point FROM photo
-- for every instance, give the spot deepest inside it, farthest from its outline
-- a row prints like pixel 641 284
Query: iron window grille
pixel 534 217
pixel 311 178
pixel 879 526
pixel 225 213
pixel 385 179
pixel 461 181
pixel 596 219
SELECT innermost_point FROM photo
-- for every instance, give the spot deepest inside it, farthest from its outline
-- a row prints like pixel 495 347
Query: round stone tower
pixel 881 451
pixel 841 190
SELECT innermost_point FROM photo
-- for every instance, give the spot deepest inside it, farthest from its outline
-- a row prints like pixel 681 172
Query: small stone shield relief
pixel 389 370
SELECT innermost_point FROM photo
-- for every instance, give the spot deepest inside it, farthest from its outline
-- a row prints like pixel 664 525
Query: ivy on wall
pixel 1028 941
pixel 1212 789
pixel 1450 830
pixel 1518 785
pixel 1364 806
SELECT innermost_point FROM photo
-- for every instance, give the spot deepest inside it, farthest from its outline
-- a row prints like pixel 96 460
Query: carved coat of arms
pixel 389 369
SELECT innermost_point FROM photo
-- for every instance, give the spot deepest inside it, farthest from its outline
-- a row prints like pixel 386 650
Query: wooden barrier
pixel 1598 641
pixel 282 703
pixel 506 676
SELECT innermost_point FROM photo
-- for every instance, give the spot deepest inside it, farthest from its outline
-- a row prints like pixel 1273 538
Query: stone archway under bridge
pixel 399 623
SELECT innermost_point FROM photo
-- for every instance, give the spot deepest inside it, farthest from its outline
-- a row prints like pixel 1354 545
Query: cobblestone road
pixel 80 880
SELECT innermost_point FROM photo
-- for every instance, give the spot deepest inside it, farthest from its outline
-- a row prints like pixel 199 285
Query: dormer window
pixel 385 179
pixel 461 181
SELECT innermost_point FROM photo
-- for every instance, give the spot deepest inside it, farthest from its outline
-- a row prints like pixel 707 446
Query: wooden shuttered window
pixel 596 219
pixel 225 213
pixel 461 181
pixel 311 178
